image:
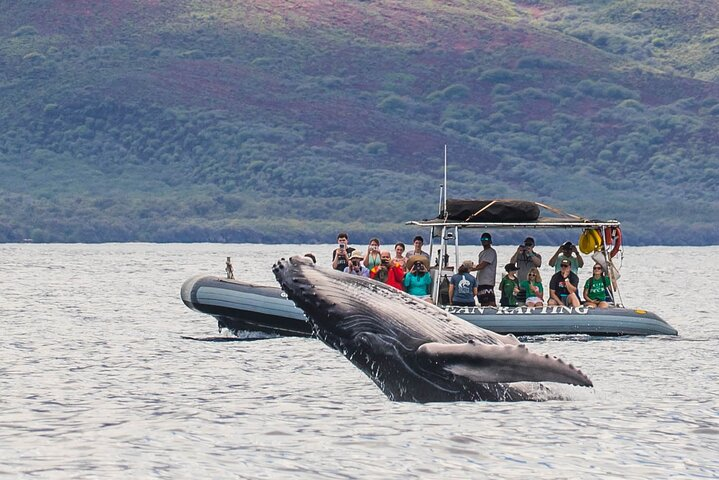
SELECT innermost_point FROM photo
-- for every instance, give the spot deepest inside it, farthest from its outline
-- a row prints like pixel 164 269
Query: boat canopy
pixel 507 213
pixel 455 215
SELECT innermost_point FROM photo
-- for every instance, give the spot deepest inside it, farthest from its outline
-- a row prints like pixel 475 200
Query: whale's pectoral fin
pixel 500 363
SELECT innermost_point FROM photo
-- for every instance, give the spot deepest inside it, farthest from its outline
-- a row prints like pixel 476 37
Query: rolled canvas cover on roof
pixel 491 211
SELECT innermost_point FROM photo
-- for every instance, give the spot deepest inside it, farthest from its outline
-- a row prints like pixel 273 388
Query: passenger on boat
pixel 567 251
pixel 533 286
pixel 341 254
pixel 526 258
pixel 399 257
pixel 372 257
pixel 487 268
pixel 509 286
pixel 355 267
pixel 418 243
pixel 563 286
pixel 418 281
pixel 389 272
pixel 595 288
pixel 463 286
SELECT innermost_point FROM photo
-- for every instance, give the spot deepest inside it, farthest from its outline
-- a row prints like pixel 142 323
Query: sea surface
pixel 99 380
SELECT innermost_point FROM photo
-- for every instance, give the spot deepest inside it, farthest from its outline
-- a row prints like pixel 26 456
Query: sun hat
pixel 469 264
pixel 417 258
pixel 356 254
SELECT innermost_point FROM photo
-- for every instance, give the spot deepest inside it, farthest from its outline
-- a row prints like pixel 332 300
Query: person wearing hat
pixel 526 258
pixel 355 266
pixel 563 286
pixel 463 286
pixel 509 286
pixel 418 281
pixel 487 272
pixel 341 254
pixel 567 251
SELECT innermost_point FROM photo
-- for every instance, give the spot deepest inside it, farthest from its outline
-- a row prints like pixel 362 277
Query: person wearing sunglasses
pixel 533 286
pixel 563 286
pixel 596 288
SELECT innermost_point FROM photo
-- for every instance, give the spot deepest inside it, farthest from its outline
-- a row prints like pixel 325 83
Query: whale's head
pixel 343 307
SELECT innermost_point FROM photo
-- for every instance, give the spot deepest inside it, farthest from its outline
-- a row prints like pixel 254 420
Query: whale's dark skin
pixel 412 350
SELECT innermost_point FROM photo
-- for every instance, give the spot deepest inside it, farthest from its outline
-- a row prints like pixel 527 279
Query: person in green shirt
pixel 595 288
pixel 533 286
pixel 509 286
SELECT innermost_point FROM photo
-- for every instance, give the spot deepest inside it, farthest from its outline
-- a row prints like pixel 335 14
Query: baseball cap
pixel 510 267
pixel 529 242
pixel 566 262
pixel 486 237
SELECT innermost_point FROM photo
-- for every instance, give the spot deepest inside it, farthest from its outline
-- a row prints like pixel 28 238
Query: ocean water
pixel 99 380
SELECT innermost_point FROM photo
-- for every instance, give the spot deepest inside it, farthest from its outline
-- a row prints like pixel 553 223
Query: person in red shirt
pixel 388 272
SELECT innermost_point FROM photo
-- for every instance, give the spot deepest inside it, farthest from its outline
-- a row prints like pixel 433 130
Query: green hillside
pixel 275 121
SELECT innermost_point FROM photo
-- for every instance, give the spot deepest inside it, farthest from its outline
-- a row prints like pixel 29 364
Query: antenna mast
pixel 444 205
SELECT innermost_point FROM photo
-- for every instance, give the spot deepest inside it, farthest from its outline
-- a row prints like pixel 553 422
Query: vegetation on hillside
pixel 248 121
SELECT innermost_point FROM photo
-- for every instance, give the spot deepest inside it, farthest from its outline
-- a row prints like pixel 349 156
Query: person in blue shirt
pixel 418 281
pixel 463 286
pixel 355 266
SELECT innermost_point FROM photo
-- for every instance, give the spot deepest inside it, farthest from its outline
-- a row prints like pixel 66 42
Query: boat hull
pixel 244 307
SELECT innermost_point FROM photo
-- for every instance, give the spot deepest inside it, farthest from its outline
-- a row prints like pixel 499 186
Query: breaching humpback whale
pixel 412 350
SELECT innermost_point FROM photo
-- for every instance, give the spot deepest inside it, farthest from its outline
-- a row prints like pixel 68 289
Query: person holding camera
pixel 567 251
pixel 389 272
pixel 418 281
pixel 355 266
pixel 526 258
pixel 341 254
pixel 372 258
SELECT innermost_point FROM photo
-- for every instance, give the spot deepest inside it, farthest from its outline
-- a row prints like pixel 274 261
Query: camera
pixel 342 246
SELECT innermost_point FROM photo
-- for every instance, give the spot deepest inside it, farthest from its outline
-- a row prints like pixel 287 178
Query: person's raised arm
pixel 580 260
pixel 553 260
pixel 536 259
pixel 335 258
